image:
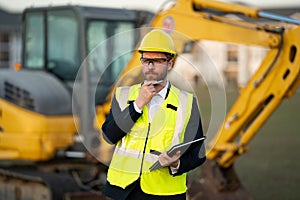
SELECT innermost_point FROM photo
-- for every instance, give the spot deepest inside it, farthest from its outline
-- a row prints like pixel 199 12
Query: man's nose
pixel 151 65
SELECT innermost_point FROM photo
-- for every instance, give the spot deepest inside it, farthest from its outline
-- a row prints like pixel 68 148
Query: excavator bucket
pixel 216 183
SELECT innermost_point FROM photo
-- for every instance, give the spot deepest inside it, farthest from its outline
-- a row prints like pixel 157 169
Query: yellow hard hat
pixel 157 41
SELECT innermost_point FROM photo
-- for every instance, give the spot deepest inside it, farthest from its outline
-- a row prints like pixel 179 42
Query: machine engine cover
pixel 37 91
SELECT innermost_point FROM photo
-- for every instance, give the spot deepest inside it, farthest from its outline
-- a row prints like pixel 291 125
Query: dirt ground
pixel 269 170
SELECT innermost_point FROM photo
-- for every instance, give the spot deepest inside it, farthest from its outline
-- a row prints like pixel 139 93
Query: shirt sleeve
pixel 136 108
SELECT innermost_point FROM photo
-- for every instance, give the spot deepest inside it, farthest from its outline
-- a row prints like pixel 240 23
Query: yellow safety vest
pixel 134 155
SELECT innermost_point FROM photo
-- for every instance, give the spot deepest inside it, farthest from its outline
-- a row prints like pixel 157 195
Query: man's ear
pixel 170 64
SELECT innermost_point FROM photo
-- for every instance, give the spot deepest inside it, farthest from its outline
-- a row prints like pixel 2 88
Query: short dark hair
pixel 168 55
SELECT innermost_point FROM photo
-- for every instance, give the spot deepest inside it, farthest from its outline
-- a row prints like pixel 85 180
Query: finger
pixel 177 155
pixel 147 83
pixel 151 90
pixel 163 159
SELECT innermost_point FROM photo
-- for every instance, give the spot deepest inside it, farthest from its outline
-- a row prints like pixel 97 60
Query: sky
pixel 19 5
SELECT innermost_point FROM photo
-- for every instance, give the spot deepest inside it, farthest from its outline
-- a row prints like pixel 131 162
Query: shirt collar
pixel 163 92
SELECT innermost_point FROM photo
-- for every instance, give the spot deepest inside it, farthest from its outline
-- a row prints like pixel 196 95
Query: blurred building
pixel 232 64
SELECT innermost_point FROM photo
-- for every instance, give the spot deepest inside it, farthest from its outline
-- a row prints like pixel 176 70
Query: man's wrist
pixel 174 170
pixel 175 165
pixel 136 108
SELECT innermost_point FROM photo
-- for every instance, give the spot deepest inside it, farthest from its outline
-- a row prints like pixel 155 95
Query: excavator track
pixel 14 185
pixel 26 183
pixel 29 182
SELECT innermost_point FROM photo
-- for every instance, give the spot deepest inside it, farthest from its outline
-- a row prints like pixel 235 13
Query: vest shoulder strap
pixel 122 96
pixel 183 114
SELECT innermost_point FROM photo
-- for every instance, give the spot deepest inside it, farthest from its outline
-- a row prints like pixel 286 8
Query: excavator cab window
pixel 54 45
pixel 63 44
pixel 34 41
pixel 107 41
pixel 58 40
pixel 101 38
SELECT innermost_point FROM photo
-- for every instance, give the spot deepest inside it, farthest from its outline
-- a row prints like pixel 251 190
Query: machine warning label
pixel 169 24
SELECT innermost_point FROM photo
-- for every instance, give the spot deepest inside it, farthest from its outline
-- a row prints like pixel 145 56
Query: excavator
pixel 73 57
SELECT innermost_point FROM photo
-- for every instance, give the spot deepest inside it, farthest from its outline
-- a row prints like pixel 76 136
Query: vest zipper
pixel 145 149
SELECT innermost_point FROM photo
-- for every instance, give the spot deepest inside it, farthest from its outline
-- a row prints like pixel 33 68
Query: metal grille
pixel 18 96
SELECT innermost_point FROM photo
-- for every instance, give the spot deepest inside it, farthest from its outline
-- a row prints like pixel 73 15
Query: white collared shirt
pixel 153 106
pixel 155 102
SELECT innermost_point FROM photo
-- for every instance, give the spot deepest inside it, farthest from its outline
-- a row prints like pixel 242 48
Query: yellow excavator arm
pixel 276 78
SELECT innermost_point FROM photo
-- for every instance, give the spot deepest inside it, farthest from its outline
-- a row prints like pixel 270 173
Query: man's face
pixel 155 66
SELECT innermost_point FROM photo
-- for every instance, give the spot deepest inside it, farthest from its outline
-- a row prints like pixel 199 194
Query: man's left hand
pixel 166 160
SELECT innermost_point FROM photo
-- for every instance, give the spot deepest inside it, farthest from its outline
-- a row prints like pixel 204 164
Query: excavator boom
pixel 276 79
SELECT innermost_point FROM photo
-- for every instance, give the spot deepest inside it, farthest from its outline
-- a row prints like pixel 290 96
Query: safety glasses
pixel 154 61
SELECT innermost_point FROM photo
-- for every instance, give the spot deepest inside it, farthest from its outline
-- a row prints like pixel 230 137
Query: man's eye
pixel 160 60
pixel 153 60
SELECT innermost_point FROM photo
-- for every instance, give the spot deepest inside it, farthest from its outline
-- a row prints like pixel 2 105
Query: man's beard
pixel 151 76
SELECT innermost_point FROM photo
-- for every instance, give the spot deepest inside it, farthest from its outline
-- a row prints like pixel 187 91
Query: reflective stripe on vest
pixel 135 154
pixel 122 95
pixel 128 157
pixel 182 106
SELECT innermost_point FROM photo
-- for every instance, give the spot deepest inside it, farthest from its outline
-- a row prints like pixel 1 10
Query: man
pixel 145 121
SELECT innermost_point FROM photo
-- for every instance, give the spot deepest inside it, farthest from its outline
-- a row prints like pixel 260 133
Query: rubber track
pixel 59 184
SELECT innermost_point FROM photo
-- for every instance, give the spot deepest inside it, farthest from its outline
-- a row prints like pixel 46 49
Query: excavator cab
pixel 58 39
pixel 41 136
